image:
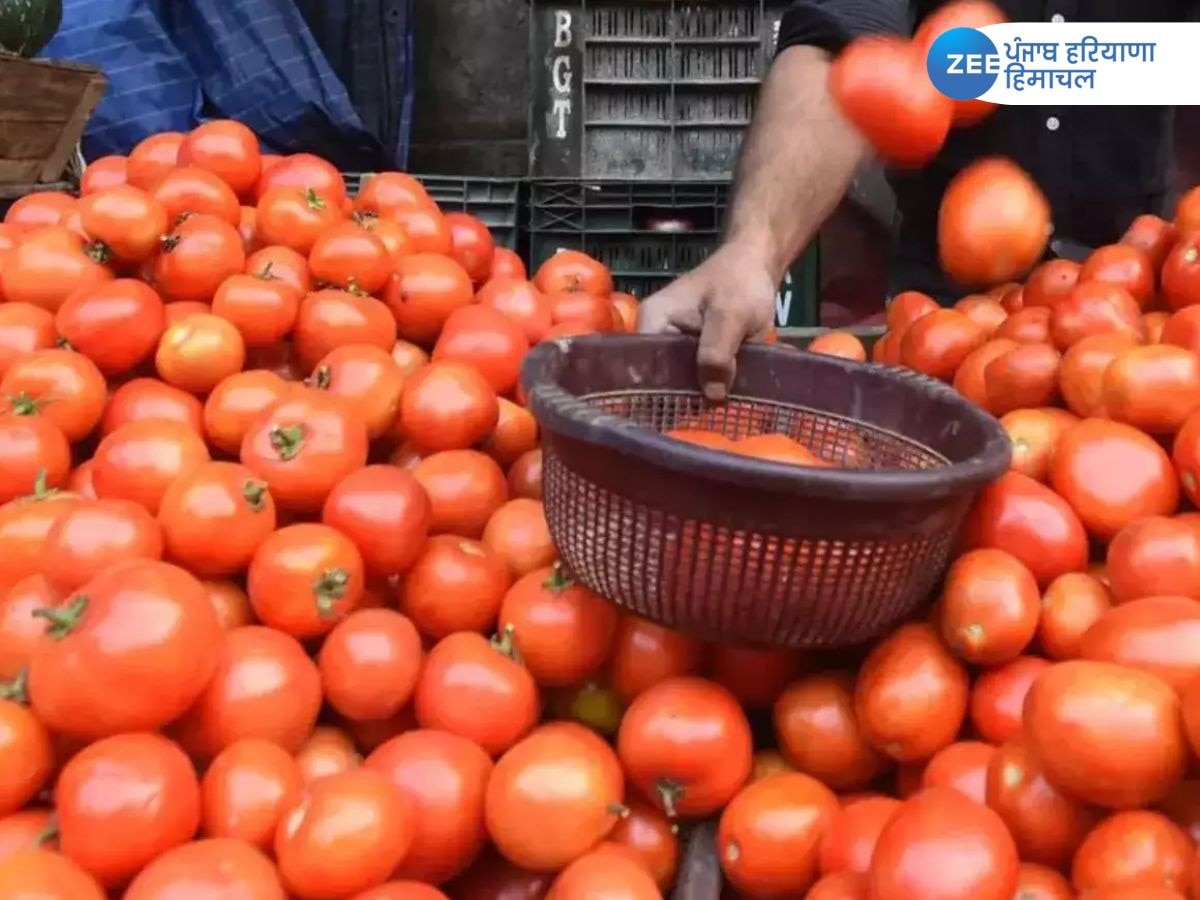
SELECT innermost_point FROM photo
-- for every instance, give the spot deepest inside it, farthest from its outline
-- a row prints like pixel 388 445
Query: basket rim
pixel 561 412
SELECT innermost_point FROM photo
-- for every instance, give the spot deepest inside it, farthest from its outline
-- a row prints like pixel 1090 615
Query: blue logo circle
pixel 963 63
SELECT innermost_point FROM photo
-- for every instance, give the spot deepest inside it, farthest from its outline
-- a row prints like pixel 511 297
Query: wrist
pixel 755 249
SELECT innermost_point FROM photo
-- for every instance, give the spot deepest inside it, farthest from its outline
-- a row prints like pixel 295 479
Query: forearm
pixel 797 161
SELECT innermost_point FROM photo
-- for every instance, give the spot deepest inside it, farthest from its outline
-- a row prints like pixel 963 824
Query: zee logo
pixel 963 63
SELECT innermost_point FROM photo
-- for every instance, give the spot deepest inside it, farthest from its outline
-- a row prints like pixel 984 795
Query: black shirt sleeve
pixel 832 24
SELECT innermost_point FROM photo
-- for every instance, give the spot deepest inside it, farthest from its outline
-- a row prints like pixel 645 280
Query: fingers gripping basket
pixel 739 549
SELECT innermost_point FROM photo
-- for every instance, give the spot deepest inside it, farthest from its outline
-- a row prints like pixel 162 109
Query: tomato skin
pixel 521 303
pixel 219 865
pixel 45 875
pixel 1031 522
pixel 1181 272
pixel 20 630
pixel 425 289
pixel 32 450
pixel 561 629
pixel 1083 472
pixel 911 695
pixel 26 754
pixel 472 245
pixel 849 842
pixel 245 790
pixel 840 886
pixel 768 839
pixel 937 343
pixel 149 399
pixel 48 266
pixel 989 608
pixel 1081 375
pixel 24 524
pixel 644 653
pixel 685 743
pixel 1022 378
pixel 303 446
pixel 495 708
pixel 485 340
pixel 1185 455
pixel 168 627
pixel 295 218
pixel 977 247
pixel 39 209
pixel 571 270
pixel 447 406
pixel 1125 725
pixel 455 584
pixel 962 766
pixel 1153 388
pixel 525 475
pixel 552 797
pixel 1071 605
pixel 1030 325
pixel 969 376
pixel 648 833
pixel 347 833
pixel 263 309
pixel 199 254
pixel 1158 635
pixel 104 788
pixel 153 157
pixel 304 171
pixel 369 664
pixel 26 830
pixel 819 734
pixel 90 537
pixel 23 329
pixel 1154 556
pixel 349 256
pixel 1095 307
pixel 140 460
pixel 1050 282
pixel 331 318
pixel 998 698
pixel 60 385
pixel 385 512
pixel 1035 434
pixel 1131 849
pixel 1152 234
pixel 519 534
pixel 116 324
pixel 843 344
pixel 603 872
pixel 1125 265
pixel 235 403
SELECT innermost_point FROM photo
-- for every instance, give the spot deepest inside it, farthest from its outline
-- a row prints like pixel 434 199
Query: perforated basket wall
pixel 741 550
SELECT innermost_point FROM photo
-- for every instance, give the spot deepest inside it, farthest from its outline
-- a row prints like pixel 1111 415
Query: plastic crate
pixel 494 201
pixel 613 222
pixel 635 90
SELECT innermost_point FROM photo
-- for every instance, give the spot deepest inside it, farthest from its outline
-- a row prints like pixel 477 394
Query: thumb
pixel 720 338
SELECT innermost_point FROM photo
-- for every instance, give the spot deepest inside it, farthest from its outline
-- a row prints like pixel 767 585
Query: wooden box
pixel 44 106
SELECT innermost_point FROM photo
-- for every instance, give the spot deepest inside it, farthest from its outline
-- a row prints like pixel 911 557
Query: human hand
pixel 727 299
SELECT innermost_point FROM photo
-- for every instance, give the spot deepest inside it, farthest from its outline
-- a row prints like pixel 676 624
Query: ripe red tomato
pixel 881 86
pixel 1181 272
pixel 521 302
pixel 153 158
pixel 200 253
pixel 962 766
pixel 326 752
pixel 472 246
pixel 604 873
pixel 328 319
pixel 217 865
pixel 819 734
pixel 933 822
pixel 62 386
pixel 1128 747
pixel 644 653
pixel 350 257
pixel 444 778
pixel 591 312
pixel 24 328
pixel 197 353
pixel 26 755
pixel 685 743
pixel 116 324
pixel 487 341
pixel 447 406
pixel 368 379
pixel 1029 521
pixel 518 533
pixel 369 664
pixel 525 475
pixel 1185 454
pixel 937 343
pixel 387 193
pixel 993 223
pixel 148 399
pixel 1051 282
pixel 426 229
pixel 102 791
pixel 1035 434
pixel 265 686
pixel 969 376
pixel 20 630
pixel 849 842
pixel 263 308
pixel 33 453
pixel 226 148
pixel 1134 849
pixel 90 537
pixel 306 172
pixel 325 854
pixel 561 630
pixel 989 608
pixel 1124 265
pixel 47 876
pixel 911 695
pixel 235 403
pixel 189 190
pixel 465 489
pixel 1027 326
pixel 1153 235
pixel 494 707
pixel 650 835
pixel 1155 634
pixel 1071 605
pixel 1153 388
pixel 516 433
pixel 82 683
pixel 29 829
pixel 103 173
pixel 571 270
pixel 1047 824
pixel 998 698
pixel 294 218
pixel 1025 377
pixel 1081 375
pixel 127 221
pixel 48 266
pixel 245 791
pixel 455 584
pixel 385 512
pixel 425 289
pixel 1092 308
pixel 1155 556
pixel 303 446
pixel 139 461
pixel 507 264
pixel 39 209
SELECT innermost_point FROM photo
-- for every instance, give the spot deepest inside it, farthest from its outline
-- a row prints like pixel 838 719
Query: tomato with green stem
pixel 26 752
pixel 236 402
pixel 350 257
pixel 33 452
pixel 366 377
pixel 49 265
pixel 191 191
pixel 200 253
pixel 262 306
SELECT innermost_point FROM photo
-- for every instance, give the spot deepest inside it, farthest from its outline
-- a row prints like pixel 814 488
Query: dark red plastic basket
pixel 738 549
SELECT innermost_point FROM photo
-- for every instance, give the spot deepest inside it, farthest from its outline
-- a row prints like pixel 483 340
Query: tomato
pixel 369 664
pixel 525 475
pixel 426 230
pixel 235 403
pixel 127 221
pixel 571 270
pixel 444 778
pixel 385 512
pixel 472 245
pixel 402 890
pixel 603 873
pixel 553 796
pixel 906 308
pixel 282 263
pixel 978 857
pixel 226 148
pixel 60 385
pixel 969 375
pixel 215 517
pixel 1123 725
pixel 189 191
pixel 626 307
pixel 938 342
pixel 33 453
pixel 644 653
pixel 1071 605
pixel 1111 474
pixel 819 734
pixel 1037 882
pixel 1185 454
pixel 1027 326
pixel 911 695
pixel 26 754
pixel 139 461
pixel 962 766
pixel 88 538
pixel 326 752
pixel 30 829
pixel 265 687
pixel 1022 378
pixel 507 263
pixel 393 236
pixel 988 612
pixel 81 683
pixel 1153 235
pixel 325 854
pixel 24 328
pixel 1153 388
pixel 367 378
pixel 1081 375
pixel 102 174
pixel 993 223
pixel 425 289
pixel 999 695
pixel 102 791
pixel 44 875
pixel 409 357
pixel 1047 824
pixel 153 158
pixel 197 353
pixel 263 308
pixel 1181 272
pixel 465 489
pixel 685 743
pixel 840 886
pixel 1134 849
pixel 592 312
pixel 48 266
pixel 200 253
pixel 116 324
pixel 1035 434
pixel 24 524
pixel 20 630
pixel 303 446
pixel 1155 556
pixel 768 839
pixel 1029 521
pixel 1155 634
pixel 387 193
pixel 516 433
pixel 38 209
pixel 487 341
pixel 651 837
pixel 1091 308
pixel 350 257
pixel 220 865
pixel 230 603
pixel 475 689
pixel 329 319
pixel 304 578
pixel 849 841
pixel 561 630
pixel 1182 329
pixel 447 406
pixel 1051 282
pixel 248 229
pixel 518 533
pixel 1124 265
pixel 981 309
pixel 306 172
